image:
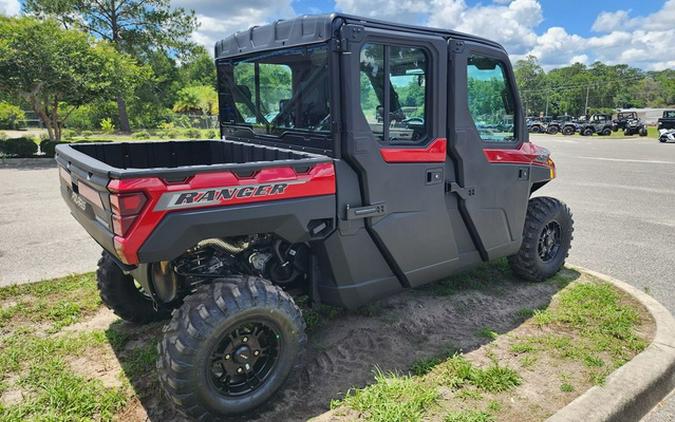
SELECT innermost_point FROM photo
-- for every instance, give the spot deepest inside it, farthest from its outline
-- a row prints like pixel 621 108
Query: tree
pixel 199 69
pixel 531 80
pixel 137 27
pixel 197 99
pixel 52 68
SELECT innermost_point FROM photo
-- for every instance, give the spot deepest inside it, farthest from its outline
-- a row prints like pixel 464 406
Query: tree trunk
pixel 124 117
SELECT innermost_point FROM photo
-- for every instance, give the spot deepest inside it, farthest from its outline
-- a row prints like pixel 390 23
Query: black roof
pixel 316 28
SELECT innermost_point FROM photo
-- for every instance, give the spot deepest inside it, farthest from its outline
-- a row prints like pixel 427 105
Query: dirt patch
pixel 105 367
pixel 399 330
pixel 101 320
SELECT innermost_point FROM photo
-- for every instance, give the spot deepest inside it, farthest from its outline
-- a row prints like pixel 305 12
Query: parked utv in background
pixel 313 192
pixel 557 124
pixel 538 124
pixel 600 124
pixel 622 119
pixel 630 123
pixel 667 121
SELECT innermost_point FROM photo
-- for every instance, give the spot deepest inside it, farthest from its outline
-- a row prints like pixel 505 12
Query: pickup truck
pixel 327 183
pixel 667 121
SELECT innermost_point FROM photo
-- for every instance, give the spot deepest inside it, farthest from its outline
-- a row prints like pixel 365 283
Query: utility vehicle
pixel 630 123
pixel 622 118
pixel 667 121
pixel 313 191
pixel 600 124
pixel 558 124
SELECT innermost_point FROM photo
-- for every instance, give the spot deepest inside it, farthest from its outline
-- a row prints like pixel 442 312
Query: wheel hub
pixel 549 241
pixel 244 359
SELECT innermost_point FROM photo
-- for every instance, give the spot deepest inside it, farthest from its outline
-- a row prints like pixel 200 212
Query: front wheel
pixel 587 132
pixel 230 347
pixel 568 131
pixel 547 238
pixel 552 130
pixel 643 131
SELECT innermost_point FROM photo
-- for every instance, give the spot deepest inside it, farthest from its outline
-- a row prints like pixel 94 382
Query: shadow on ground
pixel 345 347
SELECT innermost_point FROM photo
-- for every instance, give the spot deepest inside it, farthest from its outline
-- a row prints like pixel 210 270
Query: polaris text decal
pixel 221 195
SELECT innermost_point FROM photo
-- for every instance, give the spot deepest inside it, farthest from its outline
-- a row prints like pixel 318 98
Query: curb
pixel 42 162
pixel 634 389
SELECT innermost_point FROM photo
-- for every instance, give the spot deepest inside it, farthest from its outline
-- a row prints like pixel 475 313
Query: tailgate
pixel 84 184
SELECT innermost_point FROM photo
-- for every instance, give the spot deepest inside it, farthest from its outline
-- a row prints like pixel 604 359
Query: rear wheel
pixel 230 347
pixel 587 132
pixel 535 129
pixel 643 131
pixel 547 238
pixel 568 130
pixel 606 131
pixel 552 130
pixel 123 295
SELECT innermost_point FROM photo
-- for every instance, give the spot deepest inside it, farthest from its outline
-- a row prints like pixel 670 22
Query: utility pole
pixel 588 89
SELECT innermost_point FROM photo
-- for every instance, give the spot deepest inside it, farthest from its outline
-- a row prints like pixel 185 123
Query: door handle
pixel 368 211
pixel 434 176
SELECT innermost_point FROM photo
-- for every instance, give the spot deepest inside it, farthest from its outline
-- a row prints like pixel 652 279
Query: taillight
pixel 125 209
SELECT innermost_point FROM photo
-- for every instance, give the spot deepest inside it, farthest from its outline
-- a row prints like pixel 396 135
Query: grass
pixel 35 352
pixel 55 304
pixel 392 398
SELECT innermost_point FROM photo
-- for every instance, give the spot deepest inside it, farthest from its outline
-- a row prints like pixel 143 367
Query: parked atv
pixel 558 124
pixel 600 124
pixel 635 127
pixel 622 119
pixel 536 125
pixel 308 194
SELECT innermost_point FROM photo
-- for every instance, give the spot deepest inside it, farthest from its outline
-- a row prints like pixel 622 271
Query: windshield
pixel 282 94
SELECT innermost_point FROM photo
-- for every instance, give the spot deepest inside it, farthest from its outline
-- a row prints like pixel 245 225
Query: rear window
pixel 282 96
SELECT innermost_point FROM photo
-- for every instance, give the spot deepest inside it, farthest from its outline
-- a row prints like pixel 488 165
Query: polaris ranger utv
pixel 357 158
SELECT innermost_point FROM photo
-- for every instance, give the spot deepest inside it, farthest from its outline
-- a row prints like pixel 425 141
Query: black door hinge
pixel 462 192
pixel 349 34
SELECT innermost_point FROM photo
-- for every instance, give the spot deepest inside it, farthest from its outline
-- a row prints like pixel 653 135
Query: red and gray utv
pixel 357 158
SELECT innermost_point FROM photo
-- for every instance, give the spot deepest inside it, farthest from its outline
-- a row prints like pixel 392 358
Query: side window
pixel 491 100
pixel 371 78
pixel 394 106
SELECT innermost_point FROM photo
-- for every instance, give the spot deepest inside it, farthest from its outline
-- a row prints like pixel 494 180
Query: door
pixel 488 140
pixel 394 138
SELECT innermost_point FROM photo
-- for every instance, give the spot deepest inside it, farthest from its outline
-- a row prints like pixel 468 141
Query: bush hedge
pixel 18 147
pixel 11 116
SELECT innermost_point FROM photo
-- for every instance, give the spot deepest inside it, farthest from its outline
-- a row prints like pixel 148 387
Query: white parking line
pixel 627 160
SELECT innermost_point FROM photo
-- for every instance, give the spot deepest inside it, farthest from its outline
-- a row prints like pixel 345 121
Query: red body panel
pixel 319 180
pixel 528 153
pixel 435 152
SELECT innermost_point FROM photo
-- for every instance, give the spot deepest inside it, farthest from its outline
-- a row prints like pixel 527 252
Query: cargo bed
pixel 120 192
pixel 177 158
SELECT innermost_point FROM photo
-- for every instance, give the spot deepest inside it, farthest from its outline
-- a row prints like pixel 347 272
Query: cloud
pixel 219 19
pixel 9 7
pixel 620 35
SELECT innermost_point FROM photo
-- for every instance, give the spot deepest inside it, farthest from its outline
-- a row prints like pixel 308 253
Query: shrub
pixel 86 133
pixel 193 133
pixel 107 125
pixel 172 134
pixel 11 116
pixel 141 135
pixel 19 147
pixel 211 134
pixel 48 147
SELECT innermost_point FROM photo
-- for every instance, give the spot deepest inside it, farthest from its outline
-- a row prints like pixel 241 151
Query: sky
pixel 558 32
